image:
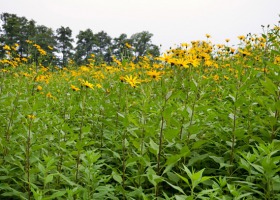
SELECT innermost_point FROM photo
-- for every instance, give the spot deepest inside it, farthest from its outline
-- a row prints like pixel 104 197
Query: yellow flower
pixel 29 41
pixel 49 95
pixel 39 88
pixel 241 37
pixel 24 59
pixel 84 69
pixel 216 77
pixel 42 52
pixel 74 88
pixel 7 48
pixel 182 62
pixel 165 57
pixel 87 84
pixel 226 77
pixel 244 52
pixel 122 78
pixel 98 85
pixel 208 36
pixel 154 74
pixel 227 40
pixel 195 62
pixel 131 80
pixel 128 45
pixel 184 44
pixel 31 117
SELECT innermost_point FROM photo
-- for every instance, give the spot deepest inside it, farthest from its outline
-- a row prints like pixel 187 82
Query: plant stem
pixel 28 159
pixel 123 160
pixel 160 145
pixel 80 136
pixel 7 132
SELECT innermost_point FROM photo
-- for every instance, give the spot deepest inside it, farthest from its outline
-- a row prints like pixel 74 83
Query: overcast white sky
pixel 171 21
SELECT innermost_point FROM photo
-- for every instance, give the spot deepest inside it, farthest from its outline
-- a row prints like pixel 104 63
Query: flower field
pixel 202 121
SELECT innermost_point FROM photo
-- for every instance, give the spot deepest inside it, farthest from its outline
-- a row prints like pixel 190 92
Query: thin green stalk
pixel 233 139
pixel 124 150
pixel 140 168
pixel 191 119
pixel 160 145
pixel 27 168
pixel 7 132
pixel 233 136
pixel 102 130
pixel 123 159
pixel 80 134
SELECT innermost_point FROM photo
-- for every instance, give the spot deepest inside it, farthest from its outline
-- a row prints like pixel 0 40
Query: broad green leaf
pixel 183 197
pixel 176 187
pixel 48 179
pixel 270 86
pixel 154 148
pixel 117 177
pixel 57 194
pixel 184 179
pixel 168 95
pixel 173 159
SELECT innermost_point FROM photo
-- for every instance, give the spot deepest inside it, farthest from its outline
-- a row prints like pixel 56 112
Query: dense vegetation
pixel 199 122
pixel 60 47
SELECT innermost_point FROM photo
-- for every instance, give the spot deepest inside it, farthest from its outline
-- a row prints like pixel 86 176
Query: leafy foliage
pixel 199 122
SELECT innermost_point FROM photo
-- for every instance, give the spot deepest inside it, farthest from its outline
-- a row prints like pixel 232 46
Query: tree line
pixel 60 47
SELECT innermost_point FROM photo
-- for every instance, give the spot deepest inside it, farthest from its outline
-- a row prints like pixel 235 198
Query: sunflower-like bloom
pixel 128 45
pixel 132 80
pixel 87 84
pixel 74 88
pixel 165 57
pixel 39 88
pixel 154 74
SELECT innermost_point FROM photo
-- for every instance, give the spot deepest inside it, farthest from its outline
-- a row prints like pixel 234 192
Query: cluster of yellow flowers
pixel 201 57
pixel 41 51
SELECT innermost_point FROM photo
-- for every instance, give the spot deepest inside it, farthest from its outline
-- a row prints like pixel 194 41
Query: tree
pixel 64 43
pixel 102 46
pixel 45 38
pixel 119 48
pixel 143 45
pixel 17 30
pixel 85 45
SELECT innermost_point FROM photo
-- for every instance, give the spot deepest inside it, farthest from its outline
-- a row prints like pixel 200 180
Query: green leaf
pixel 168 95
pixel 176 187
pixel 171 133
pixel 196 178
pixel 198 144
pixel 243 195
pixel 2 178
pixel 65 178
pixel 167 113
pixel 56 194
pixel 270 86
pixel 48 179
pixel 184 179
pixel 182 197
pixel 154 148
pixel 152 177
pixel 173 159
pixel 117 177
pixel 85 129
pixel 173 177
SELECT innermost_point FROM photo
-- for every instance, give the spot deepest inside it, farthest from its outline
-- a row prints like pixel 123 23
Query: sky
pixel 170 21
